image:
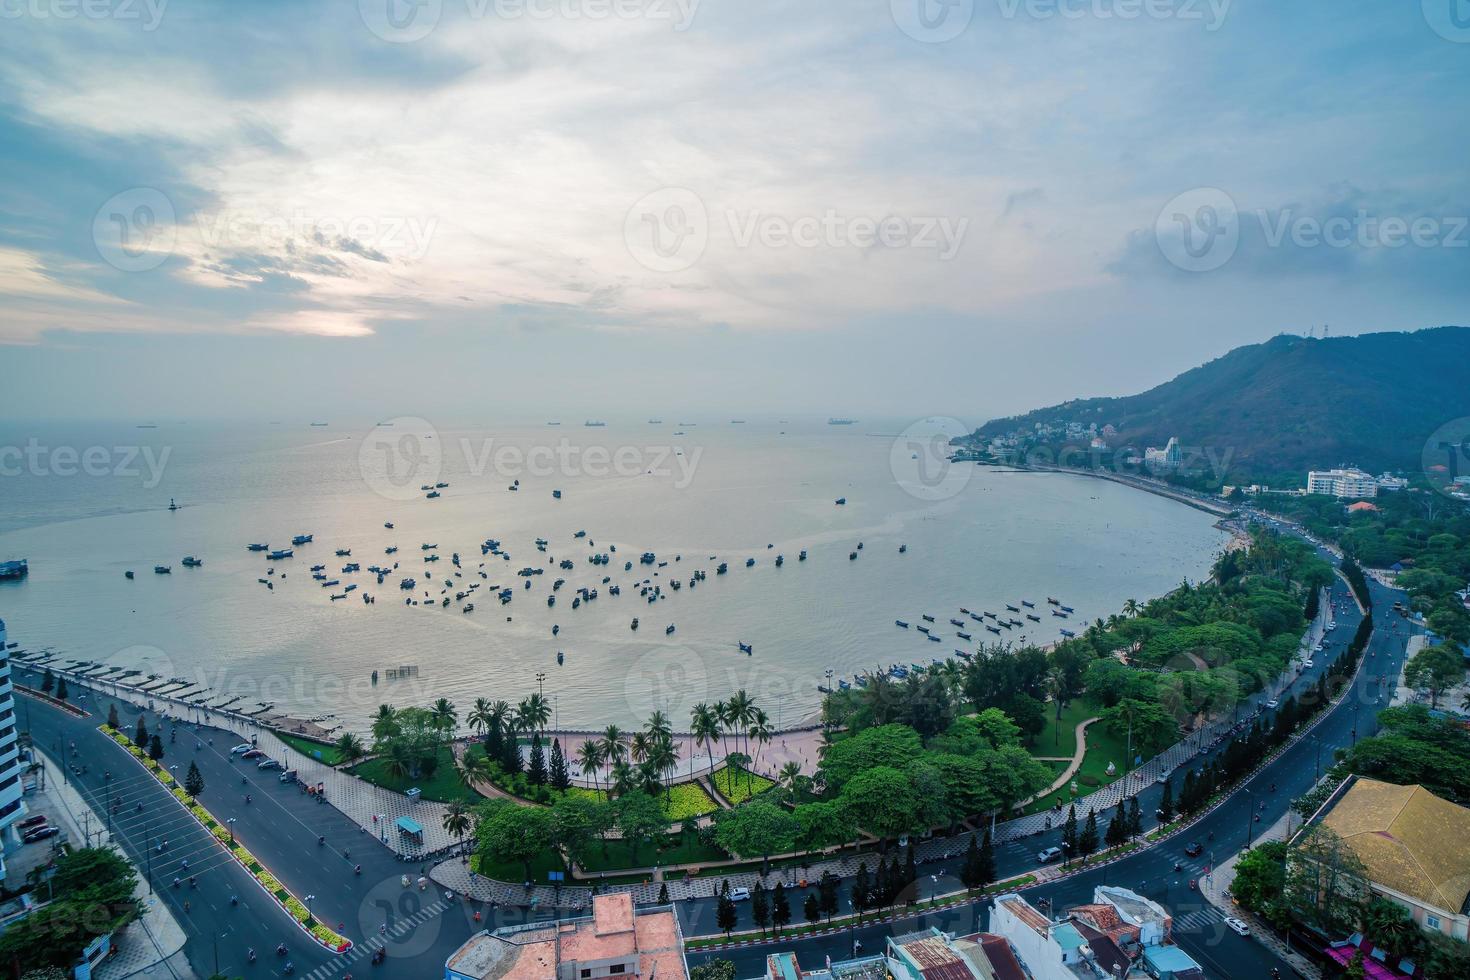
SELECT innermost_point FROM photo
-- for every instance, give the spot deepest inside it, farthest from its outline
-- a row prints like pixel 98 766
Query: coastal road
pixel 280 826
pixel 1198 926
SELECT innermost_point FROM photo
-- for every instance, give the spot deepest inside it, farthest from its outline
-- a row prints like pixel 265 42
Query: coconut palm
pixel 760 730
pixel 658 725
pixel 613 748
pixel 400 763
pixel 740 710
pixel 456 820
pixel 445 718
pixel 348 746
pixel 624 778
pixel 471 769
pixel 648 780
pixel 788 776
pixel 480 717
pixel 589 757
pixel 704 725
pixel 385 723
pixel 664 757
pixel 1131 608
pixel 640 745
pixel 536 711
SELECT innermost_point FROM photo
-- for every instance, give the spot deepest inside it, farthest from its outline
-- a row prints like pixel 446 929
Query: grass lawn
pixel 677 849
pixel 683 801
pixel 442 787
pixel 1062 741
pixel 514 871
pixel 311 749
pixel 1102 747
pixel 743 786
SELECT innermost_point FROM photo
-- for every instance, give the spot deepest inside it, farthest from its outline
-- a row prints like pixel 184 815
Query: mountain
pixel 1293 403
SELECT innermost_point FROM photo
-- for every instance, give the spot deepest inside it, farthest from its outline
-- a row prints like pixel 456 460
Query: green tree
pixel 725 917
pixel 561 779
pixel 1260 881
pixel 578 821
pixel 641 820
pixel 48 681
pixel 457 820
pixel 780 907
pixel 881 801
pixel 1326 883
pixel 1070 839
pixel 536 772
pixel 508 832
pixel 1087 841
pixel 61 691
pixel 193 780
pixel 112 721
pixel 890 746
pixel 1434 670
pixel 812 908
pixel 349 747
pixel 140 734
pixel 155 748
pixel 760 907
pixel 756 829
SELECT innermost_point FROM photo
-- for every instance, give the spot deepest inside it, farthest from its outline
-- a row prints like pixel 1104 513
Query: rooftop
pixel 1410 840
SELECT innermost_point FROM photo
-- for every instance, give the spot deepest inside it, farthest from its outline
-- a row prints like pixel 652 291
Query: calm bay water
pixel 975 537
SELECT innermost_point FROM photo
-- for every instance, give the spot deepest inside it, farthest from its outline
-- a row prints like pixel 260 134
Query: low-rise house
pixel 1414 846
pixel 614 941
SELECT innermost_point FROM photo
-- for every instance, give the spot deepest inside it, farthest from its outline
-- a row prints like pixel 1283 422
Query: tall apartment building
pixel 11 807
pixel 1342 483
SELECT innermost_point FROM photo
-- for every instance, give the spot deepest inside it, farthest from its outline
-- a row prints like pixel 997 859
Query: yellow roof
pixel 1409 839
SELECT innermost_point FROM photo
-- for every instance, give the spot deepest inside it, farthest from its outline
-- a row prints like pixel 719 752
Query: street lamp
pixel 309 900
pixel 231 823
pixel 540 681
pixel 1250 817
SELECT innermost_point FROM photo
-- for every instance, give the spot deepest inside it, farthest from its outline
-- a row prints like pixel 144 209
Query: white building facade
pixel 1342 483
pixel 11 807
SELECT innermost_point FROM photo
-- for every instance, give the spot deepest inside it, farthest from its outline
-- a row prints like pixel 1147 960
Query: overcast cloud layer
pixel 868 206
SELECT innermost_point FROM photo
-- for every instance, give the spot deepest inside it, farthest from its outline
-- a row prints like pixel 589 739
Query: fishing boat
pixel 1034 619
pixel 1013 608
pixel 963 636
pixel 392 549
pixel 1066 609
pixel 852 556
pixel 841 501
pixel 1068 634
pixel 1028 603
pixel 994 629
pixel 1058 612
pixel 901 624
pixel 191 562
pixel 427 547
pixel 301 539
pixel 257 547
pixel 388 525
pixel 1052 602
pixel 344 552
pixel 593 424
pixel 956 622
pixel 843 685
pixel 635 623
pixel 927 618
pixel 280 553
pixel 722 569
pixel 128 573
pixel 432 495
pixel 749 562
pixel 162 569
pixel 933 638
pixel 923 629
pixel 802 556
pixel 669 629
pixel 556 494
pixel 903 549
pixel 745 647
pixel 780 560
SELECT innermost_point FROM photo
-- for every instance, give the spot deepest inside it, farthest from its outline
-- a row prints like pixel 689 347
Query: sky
pixel 882 207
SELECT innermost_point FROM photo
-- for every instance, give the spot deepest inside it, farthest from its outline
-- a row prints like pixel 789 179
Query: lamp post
pixel 309 900
pixel 1250 817
pixel 231 824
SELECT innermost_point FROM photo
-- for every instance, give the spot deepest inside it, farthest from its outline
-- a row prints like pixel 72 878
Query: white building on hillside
pixel 1347 482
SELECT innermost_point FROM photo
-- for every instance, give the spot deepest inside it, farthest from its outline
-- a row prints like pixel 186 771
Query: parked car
pixel 242 747
pixel 252 754
pixel 1309 663
pixel 1237 926
pixel 739 894
pixel 1049 855
pixel 1273 703
pixel 1194 849
pixel 287 775
pixel 40 833
pixel 269 764
pixel 36 821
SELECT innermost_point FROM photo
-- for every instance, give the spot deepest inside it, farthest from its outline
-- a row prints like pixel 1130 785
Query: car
pixel 36 821
pixel 1273 703
pixel 252 754
pixel 242 747
pixel 1194 849
pixel 287 775
pixel 40 833
pixel 1049 855
pixel 739 894
pixel 1309 663
pixel 1237 926
pixel 269 764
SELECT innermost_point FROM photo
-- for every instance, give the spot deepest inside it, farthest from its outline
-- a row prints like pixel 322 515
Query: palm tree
pixel 658 725
pixel 385 723
pixel 760 730
pixel 589 757
pixel 788 776
pixel 639 746
pixel 400 761
pixel 480 717
pixel 704 725
pixel 535 711
pixel 664 757
pixel 348 746
pixel 723 723
pixel 1131 608
pixel 648 781
pixel 613 749
pixel 740 709
pixel 471 769
pixel 445 717
pixel 456 820
pixel 623 778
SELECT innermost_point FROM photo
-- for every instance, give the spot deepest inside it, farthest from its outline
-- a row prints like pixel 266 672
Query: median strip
pixel 268 882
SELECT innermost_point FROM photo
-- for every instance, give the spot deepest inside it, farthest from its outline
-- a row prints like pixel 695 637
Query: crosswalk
pixel 365 950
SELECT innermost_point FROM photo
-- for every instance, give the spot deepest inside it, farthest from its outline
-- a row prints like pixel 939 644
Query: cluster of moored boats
pixel 964 630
